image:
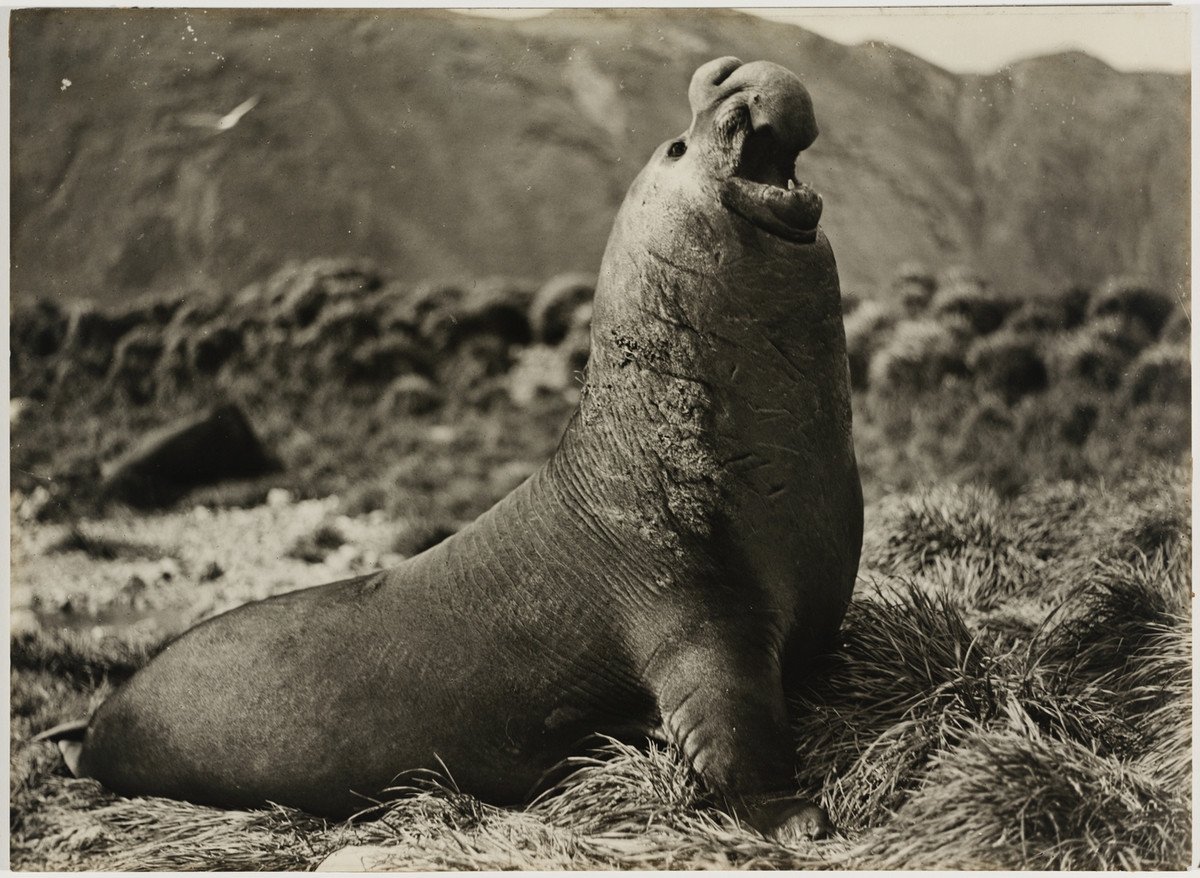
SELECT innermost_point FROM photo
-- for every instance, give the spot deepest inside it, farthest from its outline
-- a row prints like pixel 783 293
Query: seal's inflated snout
pixel 773 97
pixel 754 120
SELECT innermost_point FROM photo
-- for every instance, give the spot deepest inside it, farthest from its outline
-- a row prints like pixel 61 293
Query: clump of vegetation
pixel 1027 801
pixel 314 547
pixel 919 355
pixel 971 300
pixel 913 287
pixel 1010 689
pixel 867 330
pixel 555 309
pixel 1090 357
pixel 1009 364
pixel 909 531
pixel 1072 385
pixel 1134 301
pixel 1161 375
pixel 1065 386
pixel 1179 326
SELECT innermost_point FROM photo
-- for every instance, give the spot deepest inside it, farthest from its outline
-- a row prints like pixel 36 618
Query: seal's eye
pixel 676 149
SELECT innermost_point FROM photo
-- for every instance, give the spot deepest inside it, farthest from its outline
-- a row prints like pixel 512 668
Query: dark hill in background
pixel 440 145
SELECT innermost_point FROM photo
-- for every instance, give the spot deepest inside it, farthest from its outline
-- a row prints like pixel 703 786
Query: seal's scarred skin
pixel 693 540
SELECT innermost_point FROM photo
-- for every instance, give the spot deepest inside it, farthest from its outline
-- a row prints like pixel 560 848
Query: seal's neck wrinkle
pixel 703 357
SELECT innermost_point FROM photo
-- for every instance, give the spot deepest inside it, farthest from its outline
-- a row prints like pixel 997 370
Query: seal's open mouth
pixel 763 188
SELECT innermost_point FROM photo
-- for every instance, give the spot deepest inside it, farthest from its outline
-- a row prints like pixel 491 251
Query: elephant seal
pixel 693 540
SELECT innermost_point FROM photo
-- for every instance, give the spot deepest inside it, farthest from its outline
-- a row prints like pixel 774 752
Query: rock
pixel 204 450
pixel 211 571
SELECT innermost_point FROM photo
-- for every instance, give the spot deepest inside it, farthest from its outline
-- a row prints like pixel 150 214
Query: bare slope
pixel 438 145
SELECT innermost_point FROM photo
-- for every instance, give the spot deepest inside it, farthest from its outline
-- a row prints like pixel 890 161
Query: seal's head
pixel 720 206
pixel 750 123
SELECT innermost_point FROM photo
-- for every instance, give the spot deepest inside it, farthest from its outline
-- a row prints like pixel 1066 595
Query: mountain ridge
pixel 441 145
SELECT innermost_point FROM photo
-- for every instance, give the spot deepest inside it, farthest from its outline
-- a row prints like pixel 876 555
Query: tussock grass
pixel 1090 356
pixel 1015 799
pixel 1161 374
pixel 916 359
pixel 313 547
pixel 941 395
pixel 907 532
pixel 868 329
pixel 971 300
pixel 1135 300
pixel 913 285
pixel 78 825
pixel 908 677
pixel 78 657
pixel 1120 608
pixel 1016 696
pixel 1012 686
pixel 1009 364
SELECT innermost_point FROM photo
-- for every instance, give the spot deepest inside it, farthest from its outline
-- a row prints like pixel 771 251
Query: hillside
pixel 439 145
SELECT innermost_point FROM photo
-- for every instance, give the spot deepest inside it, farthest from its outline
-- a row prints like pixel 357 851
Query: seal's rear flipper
pixel 69 738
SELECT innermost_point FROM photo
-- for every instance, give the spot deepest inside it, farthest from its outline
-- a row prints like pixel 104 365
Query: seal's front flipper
pixel 723 707
pixel 69 738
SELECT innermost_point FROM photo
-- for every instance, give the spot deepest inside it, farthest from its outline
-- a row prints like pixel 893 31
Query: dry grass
pixel 1012 689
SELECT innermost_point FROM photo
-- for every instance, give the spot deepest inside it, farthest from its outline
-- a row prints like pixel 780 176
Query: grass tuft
pixel 917 358
pixel 315 546
pixel 1027 801
pixel 907 532
pixel 1009 364
pixel 907 677
pixel 1121 608
pixel 75 656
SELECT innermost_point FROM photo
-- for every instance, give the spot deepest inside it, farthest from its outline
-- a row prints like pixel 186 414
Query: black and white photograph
pixel 600 438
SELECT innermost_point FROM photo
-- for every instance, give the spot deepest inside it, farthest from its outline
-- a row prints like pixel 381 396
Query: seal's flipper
pixel 69 738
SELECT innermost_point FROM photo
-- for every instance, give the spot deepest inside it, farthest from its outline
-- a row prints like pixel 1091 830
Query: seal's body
pixel 693 539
